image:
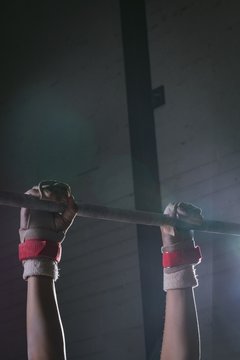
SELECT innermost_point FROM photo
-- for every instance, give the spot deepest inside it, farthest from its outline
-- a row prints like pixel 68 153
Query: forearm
pixel 45 336
pixel 181 333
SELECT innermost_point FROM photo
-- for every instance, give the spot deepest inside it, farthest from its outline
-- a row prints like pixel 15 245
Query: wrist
pixel 40 267
pixel 181 278
pixel 40 258
pixel 181 256
pixel 40 248
pixel 41 233
pixel 178 263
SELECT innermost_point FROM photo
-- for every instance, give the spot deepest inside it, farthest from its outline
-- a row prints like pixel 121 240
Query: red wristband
pixel 34 248
pixel 191 256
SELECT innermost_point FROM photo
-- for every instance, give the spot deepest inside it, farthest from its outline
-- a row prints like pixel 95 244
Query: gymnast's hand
pixel 35 224
pixel 42 232
pixel 173 235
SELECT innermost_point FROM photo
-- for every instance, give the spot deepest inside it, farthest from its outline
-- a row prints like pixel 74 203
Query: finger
pixel 33 191
pixel 55 195
pixel 170 209
pixel 53 190
pixel 63 221
pixel 71 210
pixel 189 213
pixel 188 208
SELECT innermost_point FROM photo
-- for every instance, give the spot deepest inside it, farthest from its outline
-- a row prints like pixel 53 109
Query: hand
pixel 174 237
pixel 35 224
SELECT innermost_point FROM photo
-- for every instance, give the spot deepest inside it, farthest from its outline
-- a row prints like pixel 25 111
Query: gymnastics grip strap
pixel 35 248
pixel 191 256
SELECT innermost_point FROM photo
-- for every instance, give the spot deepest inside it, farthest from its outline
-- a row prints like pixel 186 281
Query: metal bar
pixel 106 213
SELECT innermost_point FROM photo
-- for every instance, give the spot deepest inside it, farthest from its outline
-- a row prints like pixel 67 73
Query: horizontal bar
pixel 120 215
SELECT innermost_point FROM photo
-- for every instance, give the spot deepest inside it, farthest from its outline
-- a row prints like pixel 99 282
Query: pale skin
pixel 45 336
pixel 181 332
pixel 46 339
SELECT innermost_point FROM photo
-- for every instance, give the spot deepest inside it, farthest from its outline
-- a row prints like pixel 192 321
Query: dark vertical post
pixel 144 165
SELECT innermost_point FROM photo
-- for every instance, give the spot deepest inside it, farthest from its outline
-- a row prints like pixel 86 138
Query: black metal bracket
pixel 158 97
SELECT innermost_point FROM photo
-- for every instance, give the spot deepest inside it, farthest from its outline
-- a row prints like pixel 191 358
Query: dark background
pixel 65 114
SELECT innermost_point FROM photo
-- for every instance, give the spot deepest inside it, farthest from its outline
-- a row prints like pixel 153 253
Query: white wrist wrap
pixel 181 278
pixel 40 266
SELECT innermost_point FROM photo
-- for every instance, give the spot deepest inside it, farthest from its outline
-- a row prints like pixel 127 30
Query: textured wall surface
pixel 63 115
pixel 195 54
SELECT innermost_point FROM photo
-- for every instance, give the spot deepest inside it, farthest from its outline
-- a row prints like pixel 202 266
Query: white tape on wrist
pixel 40 267
pixel 184 277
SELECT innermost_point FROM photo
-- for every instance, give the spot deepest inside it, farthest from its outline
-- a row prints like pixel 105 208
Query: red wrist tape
pixel 32 249
pixel 191 256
